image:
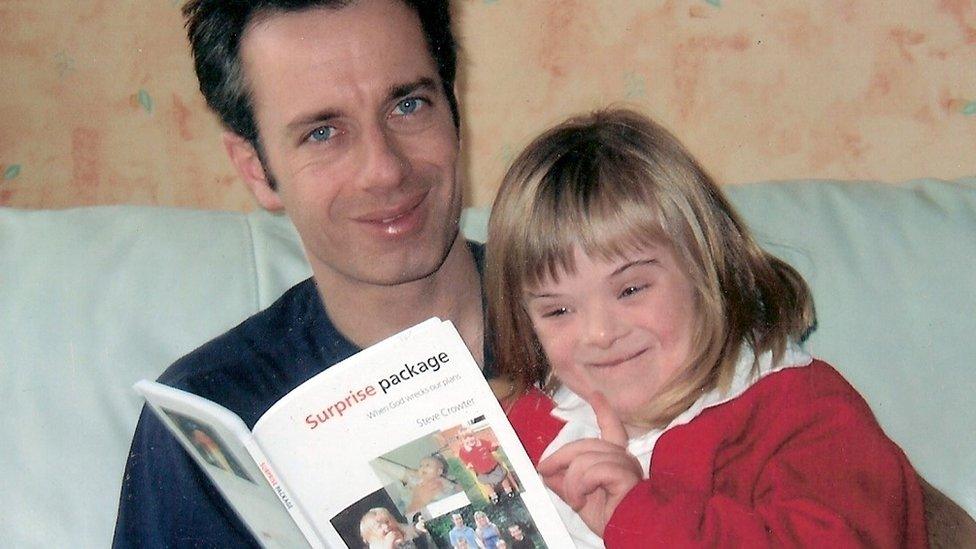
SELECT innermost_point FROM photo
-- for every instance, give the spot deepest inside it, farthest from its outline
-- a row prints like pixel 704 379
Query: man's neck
pixel 368 313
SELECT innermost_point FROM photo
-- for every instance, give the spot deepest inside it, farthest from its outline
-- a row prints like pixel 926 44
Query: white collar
pixel 581 421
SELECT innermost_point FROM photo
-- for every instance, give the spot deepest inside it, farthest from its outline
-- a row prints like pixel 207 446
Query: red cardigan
pixel 797 460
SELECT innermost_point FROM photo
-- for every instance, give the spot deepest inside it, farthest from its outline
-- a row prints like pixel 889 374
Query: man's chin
pixel 415 271
pixel 417 264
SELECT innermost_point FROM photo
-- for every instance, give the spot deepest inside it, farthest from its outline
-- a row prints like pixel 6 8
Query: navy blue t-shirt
pixel 167 501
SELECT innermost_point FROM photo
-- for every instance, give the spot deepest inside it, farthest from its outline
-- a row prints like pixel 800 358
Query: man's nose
pixel 385 164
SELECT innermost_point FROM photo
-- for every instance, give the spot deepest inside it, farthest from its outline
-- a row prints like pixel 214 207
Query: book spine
pixel 284 495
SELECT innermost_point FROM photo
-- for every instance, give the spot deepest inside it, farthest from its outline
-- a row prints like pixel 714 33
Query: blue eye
pixel 631 290
pixel 322 133
pixel 409 105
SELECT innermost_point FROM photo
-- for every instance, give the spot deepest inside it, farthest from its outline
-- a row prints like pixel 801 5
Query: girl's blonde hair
pixel 612 182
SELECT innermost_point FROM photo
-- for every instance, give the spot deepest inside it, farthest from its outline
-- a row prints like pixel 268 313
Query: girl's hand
pixel 593 475
pixel 391 540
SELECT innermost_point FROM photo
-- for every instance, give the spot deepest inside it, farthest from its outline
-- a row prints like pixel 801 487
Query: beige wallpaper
pixel 98 103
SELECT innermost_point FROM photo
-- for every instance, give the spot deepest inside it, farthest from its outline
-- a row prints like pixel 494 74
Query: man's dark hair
pixel 215 29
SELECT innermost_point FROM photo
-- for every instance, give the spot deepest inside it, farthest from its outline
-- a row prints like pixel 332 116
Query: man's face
pixel 515 531
pixel 358 134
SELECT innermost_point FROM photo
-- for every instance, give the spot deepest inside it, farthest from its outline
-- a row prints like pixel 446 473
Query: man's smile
pixel 399 220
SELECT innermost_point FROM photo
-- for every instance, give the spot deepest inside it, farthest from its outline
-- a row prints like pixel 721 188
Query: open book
pixel 401 445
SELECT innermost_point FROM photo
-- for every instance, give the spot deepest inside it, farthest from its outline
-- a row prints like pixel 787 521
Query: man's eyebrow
pixel 305 120
pixel 397 91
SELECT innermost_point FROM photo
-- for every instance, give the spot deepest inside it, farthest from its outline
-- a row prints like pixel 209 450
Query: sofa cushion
pixel 92 300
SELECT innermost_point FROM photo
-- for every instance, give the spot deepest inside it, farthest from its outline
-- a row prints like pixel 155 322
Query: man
pixel 518 537
pixel 342 114
pixel 463 535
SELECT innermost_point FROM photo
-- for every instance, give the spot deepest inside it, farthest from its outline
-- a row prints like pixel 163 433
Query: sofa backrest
pixel 94 299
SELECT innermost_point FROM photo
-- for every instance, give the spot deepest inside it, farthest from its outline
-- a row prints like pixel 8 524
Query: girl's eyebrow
pixel 533 295
pixel 631 264
pixel 530 295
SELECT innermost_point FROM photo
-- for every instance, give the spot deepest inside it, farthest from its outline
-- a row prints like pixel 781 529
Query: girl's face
pixel 622 327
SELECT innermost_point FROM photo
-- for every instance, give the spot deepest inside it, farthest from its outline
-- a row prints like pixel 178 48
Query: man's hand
pixel 593 475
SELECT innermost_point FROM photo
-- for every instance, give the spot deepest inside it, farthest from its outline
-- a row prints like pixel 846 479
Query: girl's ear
pixel 248 164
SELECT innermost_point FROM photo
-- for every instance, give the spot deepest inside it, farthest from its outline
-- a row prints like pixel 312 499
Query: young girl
pixel 654 348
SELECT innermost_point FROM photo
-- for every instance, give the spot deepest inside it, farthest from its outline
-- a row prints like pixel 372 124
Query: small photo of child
pixel 417 476
pixel 478 449
pixel 375 523
pixel 380 529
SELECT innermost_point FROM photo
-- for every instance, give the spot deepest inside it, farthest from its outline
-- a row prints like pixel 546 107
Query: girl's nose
pixel 603 328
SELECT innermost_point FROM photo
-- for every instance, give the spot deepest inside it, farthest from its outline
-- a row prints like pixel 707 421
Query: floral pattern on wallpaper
pixel 99 103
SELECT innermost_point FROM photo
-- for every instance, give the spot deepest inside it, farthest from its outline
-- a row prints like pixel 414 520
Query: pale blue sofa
pixel 93 299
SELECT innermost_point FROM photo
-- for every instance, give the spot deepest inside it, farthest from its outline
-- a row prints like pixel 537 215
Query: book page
pixel 220 443
pixel 406 443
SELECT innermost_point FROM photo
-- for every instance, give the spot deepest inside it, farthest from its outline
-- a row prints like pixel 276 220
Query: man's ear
pixel 245 158
pixel 457 105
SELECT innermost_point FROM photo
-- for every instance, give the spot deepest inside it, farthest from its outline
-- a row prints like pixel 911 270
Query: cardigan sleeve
pixel 531 417
pixel 797 460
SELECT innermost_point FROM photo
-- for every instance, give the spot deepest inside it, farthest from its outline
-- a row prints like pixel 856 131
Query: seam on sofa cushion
pixel 255 274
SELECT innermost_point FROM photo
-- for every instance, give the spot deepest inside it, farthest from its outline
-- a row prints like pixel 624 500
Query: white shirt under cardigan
pixel 581 423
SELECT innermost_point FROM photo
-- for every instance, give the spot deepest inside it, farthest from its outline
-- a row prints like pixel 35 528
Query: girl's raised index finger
pixel 611 428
